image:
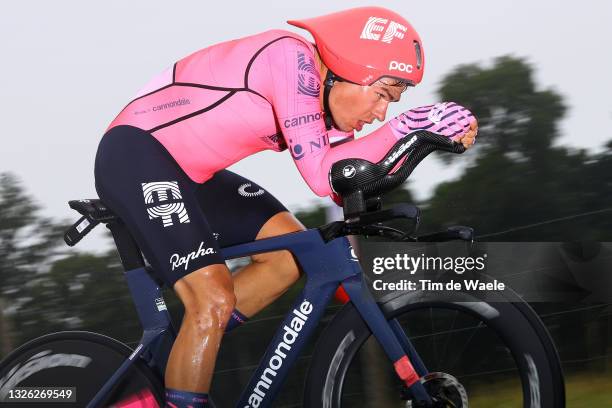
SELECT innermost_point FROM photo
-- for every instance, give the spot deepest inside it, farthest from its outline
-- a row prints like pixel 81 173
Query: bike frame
pixel 326 265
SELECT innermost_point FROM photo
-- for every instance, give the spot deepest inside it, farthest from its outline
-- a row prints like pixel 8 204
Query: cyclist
pixel 161 164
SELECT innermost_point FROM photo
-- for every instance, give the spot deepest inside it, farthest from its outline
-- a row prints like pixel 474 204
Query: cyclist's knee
pixel 208 297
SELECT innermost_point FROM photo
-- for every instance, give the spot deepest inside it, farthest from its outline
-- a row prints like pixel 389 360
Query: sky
pixel 68 67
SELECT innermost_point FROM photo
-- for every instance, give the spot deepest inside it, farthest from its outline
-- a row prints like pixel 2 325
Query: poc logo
pixel 376 25
pixel 400 66
pixel 163 198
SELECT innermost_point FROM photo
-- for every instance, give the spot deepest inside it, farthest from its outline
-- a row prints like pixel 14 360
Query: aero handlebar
pixel 356 180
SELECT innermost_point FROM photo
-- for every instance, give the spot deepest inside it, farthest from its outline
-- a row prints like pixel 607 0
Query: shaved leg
pixel 270 274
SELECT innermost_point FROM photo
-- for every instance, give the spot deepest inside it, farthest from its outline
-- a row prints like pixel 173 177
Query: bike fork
pixel 388 335
pixel 407 346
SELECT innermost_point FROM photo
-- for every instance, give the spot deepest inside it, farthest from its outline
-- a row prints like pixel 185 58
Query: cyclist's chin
pixel 344 126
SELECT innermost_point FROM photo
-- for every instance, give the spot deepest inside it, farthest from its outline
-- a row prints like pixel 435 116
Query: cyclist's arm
pixel 294 95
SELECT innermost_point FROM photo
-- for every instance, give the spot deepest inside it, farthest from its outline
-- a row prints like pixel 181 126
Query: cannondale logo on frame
pixel 376 25
pixel 242 190
pixel 163 198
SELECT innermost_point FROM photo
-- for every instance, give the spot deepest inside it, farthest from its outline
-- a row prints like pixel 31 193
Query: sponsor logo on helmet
pixel 242 190
pixel 368 79
pixel 302 120
pixel 376 25
pixel 349 171
pixel 309 81
pixel 399 151
pixel 400 66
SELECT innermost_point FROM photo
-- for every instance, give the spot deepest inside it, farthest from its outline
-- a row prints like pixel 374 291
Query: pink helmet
pixel 364 44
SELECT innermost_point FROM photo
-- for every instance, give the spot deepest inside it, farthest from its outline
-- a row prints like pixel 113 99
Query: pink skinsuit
pixel 228 101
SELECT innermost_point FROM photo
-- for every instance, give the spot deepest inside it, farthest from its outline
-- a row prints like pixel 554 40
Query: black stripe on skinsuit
pixel 209 107
pixel 211 87
pixel 218 88
pixel 252 60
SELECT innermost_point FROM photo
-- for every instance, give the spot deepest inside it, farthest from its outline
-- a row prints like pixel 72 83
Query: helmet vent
pixel 417 49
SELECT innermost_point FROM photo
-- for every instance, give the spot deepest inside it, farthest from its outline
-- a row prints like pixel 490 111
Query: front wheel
pixel 83 361
pixel 500 354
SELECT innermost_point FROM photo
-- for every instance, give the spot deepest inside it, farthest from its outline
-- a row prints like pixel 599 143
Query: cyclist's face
pixel 353 105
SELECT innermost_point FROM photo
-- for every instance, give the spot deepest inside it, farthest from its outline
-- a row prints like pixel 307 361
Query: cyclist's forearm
pixel 372 147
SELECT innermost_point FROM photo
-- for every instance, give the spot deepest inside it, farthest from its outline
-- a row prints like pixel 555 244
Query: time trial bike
pixel 406 349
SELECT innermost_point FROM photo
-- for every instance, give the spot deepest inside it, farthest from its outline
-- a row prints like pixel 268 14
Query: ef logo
pixel 163 199
pixel 376 25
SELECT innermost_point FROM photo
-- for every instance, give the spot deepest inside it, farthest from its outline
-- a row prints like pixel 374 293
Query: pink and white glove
pixel 445 118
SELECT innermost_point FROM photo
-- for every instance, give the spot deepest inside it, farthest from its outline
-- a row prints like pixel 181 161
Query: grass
pixel 581 391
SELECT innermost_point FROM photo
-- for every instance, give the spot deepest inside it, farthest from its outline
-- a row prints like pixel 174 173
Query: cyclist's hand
pixel 469 138
pixel 446 118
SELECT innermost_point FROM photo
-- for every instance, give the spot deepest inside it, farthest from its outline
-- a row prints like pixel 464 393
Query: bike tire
pixel 538 364
pixel 83 360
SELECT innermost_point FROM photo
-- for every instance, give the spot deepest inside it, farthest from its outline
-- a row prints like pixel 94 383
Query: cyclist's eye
pixel 380 95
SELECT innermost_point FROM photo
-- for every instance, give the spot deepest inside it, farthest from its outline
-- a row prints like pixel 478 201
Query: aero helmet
pixel 362 45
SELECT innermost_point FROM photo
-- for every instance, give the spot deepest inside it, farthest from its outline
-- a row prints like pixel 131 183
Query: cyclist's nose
pixel 380 111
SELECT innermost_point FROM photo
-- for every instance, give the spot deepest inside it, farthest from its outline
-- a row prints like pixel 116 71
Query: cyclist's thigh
pixel 140 181
pixel 236 207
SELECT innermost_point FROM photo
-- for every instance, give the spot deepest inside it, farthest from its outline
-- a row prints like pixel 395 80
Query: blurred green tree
pixel 516 175
pixel 28 244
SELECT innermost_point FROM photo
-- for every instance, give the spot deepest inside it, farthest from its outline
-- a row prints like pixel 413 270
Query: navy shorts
pixel 178 224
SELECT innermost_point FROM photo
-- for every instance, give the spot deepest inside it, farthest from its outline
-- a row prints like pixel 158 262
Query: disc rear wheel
pixel 83 361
